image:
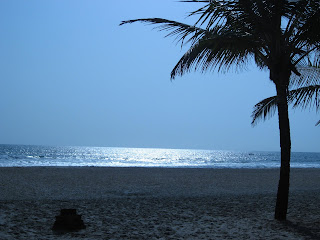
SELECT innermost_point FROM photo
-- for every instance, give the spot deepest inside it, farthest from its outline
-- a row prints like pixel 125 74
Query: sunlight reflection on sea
pixel 24 156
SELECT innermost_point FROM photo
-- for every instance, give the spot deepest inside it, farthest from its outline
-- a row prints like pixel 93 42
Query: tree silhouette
pixel 276 34
pixel 304 92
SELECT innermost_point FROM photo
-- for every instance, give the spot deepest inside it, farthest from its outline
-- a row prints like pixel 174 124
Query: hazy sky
pixel 70 75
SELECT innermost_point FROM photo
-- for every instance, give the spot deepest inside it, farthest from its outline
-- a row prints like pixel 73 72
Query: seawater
pixel 29 156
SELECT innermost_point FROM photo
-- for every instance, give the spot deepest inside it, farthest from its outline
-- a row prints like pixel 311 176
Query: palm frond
pixel 304 97
pixel 303 28
pixel 215 12
pixel 234 30
pixel 309 23
pixel 309 70
pixel 183 33
pixel 264 109
pixel 218 49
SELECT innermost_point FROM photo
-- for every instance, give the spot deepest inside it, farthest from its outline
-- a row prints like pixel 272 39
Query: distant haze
pixel 70 75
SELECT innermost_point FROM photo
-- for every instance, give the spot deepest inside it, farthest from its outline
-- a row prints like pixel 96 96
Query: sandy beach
pixel 157 203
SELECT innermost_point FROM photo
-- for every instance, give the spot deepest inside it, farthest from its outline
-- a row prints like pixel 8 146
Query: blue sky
pixel 70 75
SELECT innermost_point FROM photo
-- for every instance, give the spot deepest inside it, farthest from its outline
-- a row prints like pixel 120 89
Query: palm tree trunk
pixel 285 144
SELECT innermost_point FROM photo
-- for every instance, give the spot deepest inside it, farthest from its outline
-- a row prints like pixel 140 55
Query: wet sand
pixel 157 203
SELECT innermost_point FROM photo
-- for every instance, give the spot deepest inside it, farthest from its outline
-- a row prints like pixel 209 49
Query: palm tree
pixel 276 34
pixel 304 93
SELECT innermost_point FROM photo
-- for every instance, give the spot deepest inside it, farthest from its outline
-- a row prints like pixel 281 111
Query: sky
pixel 70 75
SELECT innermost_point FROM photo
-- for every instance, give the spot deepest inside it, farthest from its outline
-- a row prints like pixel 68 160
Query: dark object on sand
pixel 68 220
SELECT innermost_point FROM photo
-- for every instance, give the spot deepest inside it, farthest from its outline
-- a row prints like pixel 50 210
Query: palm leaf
pixel 309 70
pixel 309 23
pixel 244 24
pixel 306 94
pixel 180 30
pixel 217 49
pixel 304 97
pixel 213 13
pixel 264 109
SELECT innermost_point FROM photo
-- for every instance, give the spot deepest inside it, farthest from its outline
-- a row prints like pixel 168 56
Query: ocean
pixel 31 156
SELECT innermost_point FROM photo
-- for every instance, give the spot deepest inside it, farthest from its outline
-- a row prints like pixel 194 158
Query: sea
pixel 62 156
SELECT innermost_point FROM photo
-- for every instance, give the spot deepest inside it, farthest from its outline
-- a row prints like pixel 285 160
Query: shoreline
pixel 157 203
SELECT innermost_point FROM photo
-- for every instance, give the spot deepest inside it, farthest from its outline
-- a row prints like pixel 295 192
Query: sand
pixel 157 203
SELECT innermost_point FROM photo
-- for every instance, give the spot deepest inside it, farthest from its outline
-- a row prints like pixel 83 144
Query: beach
pixel 157 203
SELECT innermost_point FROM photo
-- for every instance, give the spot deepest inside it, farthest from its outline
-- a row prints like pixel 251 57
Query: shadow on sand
pixel 310 231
